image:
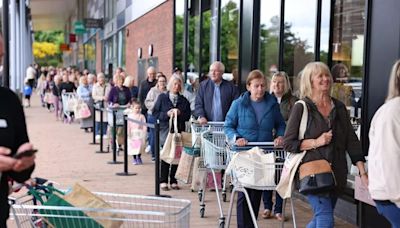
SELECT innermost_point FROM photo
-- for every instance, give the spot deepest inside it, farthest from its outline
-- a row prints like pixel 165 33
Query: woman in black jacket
pixel 329 135
pixel 164 108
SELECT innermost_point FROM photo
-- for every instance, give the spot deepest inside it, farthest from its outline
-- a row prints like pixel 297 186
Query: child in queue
pixel 136 132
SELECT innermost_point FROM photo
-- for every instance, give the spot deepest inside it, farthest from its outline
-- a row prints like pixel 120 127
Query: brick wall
pixel 99 58
pixel 156 28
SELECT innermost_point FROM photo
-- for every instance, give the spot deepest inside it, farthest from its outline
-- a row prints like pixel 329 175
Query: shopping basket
pixel 269 170
pixel 132 211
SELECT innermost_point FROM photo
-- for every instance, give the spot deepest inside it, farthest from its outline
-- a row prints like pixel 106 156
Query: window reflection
pixel 299 36
pixel 229 39
pixel 269 36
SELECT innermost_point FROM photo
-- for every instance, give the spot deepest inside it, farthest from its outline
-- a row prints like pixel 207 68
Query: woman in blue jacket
pixel 252 118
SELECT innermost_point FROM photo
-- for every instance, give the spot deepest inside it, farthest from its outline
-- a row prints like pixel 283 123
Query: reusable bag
pixel 184 171
pixel 173 146
pixel 253 168
pixel 81 110
pixel 136 142
pixel 292 160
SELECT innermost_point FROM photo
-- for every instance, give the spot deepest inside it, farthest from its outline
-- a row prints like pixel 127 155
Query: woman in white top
pixel 384 153
pixel 99 93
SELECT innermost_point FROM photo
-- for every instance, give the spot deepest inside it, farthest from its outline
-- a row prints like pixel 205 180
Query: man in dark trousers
pixel 215 96
pixel 145 87
pixel 13 140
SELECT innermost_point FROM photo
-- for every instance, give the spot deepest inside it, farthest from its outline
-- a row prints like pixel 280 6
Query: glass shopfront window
pixel 299 35
pixel 269 36
pixel 90 54
pixel 229 39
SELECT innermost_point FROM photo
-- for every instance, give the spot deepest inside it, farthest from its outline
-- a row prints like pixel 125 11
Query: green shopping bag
pixel 64 214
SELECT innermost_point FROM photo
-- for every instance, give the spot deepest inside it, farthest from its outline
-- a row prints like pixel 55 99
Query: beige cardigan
pixel 384 153
pixel 100 93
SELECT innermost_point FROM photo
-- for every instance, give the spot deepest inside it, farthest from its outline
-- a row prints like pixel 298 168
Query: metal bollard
pixel 93 128
pixel 114 138
pixel 125 172
pixel 101 133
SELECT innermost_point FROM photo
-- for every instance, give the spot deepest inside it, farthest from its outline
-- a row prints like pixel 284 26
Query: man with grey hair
pixel 215 96
pixel 145 87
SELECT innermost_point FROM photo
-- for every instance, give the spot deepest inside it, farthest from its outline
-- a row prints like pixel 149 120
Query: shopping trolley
pixel 69 101
pixel 269 169
pixel 214 157
pixel 125 211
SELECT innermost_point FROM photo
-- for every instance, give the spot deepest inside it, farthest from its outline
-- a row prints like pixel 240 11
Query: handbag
pixel 316 176
pixel 173 146
pixel 48 98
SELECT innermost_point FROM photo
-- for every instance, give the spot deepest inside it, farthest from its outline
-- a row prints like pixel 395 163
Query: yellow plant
pixel 44 49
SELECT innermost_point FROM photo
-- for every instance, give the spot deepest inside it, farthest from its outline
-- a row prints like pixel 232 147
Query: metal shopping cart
pixel 69 101
pixel 214 158
pixel 125 211
pixel 265 172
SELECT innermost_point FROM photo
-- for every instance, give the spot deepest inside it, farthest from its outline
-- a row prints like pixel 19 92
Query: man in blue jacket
pixel 215 96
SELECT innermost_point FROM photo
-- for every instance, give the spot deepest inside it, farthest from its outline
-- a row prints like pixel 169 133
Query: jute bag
pixel 81 197
pixel 173 146
pixel 185 168
pixel 292 160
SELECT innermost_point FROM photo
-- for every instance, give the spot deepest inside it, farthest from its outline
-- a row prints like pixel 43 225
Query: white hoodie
pixel 384 153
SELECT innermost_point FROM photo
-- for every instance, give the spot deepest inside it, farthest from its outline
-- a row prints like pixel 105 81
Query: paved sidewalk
pixel 65 156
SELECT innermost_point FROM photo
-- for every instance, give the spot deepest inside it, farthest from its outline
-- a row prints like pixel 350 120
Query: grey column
pixel 23 51
pixel 215 51
pixel 249 39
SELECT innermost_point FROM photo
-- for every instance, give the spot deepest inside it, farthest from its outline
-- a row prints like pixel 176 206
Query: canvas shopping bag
pixel 172 149
pixel 136 142
pixel 292 160
pixel 48 98
pixel 186 139
pixel 199 174
pixel 81 110
pixel 83 198
pixel 185 167
pixel 253 168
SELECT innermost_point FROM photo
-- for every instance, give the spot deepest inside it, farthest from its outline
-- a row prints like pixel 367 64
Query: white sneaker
pixel 105 136
pixel 97 137
pixel 148 149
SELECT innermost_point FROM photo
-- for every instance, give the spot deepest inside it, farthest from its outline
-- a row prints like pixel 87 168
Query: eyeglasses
pixel 162 81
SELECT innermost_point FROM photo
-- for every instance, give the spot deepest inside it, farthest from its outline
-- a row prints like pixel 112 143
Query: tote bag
pixel 173 146
pixel 136 142
pixel 81 110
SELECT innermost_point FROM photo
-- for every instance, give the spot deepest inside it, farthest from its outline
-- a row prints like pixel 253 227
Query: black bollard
pixel 101 132
pixel 114 138
pixel 93 128
pixel 125 173
pixel 157 161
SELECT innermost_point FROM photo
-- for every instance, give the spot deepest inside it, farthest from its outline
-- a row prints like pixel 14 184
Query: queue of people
pixel 257 115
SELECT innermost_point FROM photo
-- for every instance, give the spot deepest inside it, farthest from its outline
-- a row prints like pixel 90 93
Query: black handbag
pixel 316 177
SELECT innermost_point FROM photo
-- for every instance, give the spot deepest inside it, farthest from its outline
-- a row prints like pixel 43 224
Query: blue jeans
pixel 152 135
pixel 97 128
pixel 243 213
pixel 390 211
pixel 267 199
pixel 323 207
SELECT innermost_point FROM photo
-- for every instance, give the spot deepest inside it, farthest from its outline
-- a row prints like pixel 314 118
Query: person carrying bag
pixel 173 146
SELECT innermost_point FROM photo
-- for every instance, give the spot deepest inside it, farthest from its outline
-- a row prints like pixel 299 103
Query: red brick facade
pixel 156 28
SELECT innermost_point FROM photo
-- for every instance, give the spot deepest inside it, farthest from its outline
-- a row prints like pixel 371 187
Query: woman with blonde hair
pixel 329 135
pixel 129 82
pixel 384 153
pixel 100 93
pixel 280 88
pixel 85 95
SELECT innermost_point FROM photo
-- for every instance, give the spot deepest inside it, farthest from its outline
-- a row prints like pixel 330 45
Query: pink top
pixel 135 126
